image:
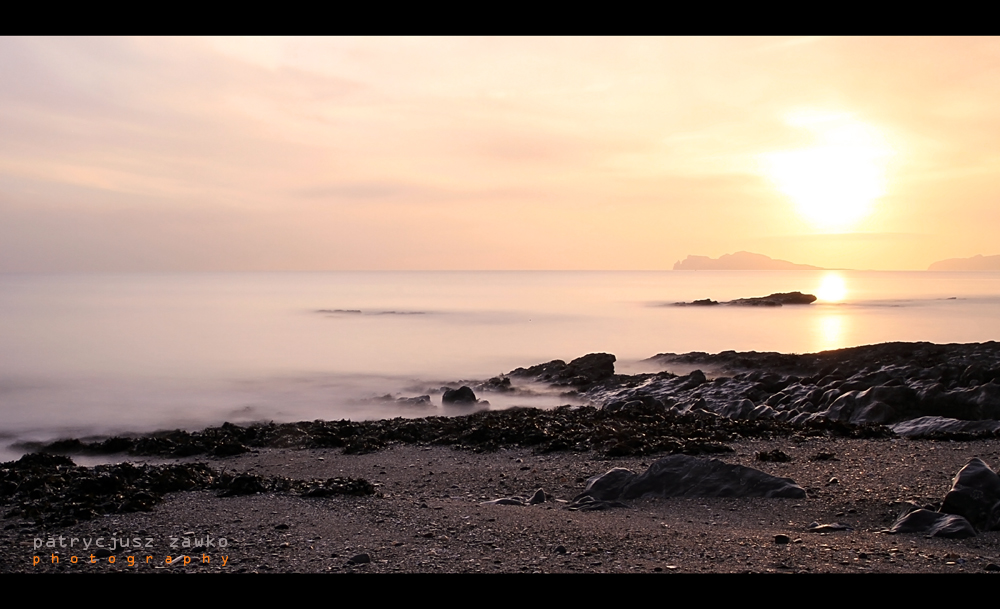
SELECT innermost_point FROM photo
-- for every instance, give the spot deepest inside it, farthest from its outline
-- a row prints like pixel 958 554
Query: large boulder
pixel 975 495
pixel 685 476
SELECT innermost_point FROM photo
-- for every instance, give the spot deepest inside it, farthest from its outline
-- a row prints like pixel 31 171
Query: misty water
pixel 84 355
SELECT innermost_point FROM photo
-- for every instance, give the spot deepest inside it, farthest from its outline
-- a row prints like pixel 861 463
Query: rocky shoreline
pixel 827 421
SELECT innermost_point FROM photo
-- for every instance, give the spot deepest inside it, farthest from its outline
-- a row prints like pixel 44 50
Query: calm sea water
pixel 97 354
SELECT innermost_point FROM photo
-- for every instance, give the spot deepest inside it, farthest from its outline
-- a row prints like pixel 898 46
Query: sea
pixel 92 355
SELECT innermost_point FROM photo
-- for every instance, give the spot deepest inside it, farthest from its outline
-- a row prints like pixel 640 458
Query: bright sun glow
pixel 832 288
pixel 835 182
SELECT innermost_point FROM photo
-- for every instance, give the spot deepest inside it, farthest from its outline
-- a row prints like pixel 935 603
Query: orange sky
pixel 495 153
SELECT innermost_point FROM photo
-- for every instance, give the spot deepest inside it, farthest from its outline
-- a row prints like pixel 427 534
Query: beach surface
pixel 426 500
pixel 428 516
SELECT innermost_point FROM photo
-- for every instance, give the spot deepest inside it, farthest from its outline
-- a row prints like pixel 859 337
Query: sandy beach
pixel 428 516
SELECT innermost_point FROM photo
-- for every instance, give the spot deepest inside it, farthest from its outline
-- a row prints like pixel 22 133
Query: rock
pixel 975 495
pixel 462 395
pixel 519 501
pixel 593 367
pixel 772 300
pixel 586 503
pixel 933 524
pixel 776 456
pixel 684 476
pixel 826 528
pixel 582 371
pixel 538 497
pixel 782 539
pixel 929 427
pixel 609 485
pixel 775 300
pixel 360 559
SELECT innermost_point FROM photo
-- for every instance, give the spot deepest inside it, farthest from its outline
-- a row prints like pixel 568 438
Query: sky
pixel 274 154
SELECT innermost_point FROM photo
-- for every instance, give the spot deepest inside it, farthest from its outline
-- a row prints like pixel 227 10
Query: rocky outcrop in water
pixel 581 372
pixel 920 389
pixel 463 396
pixel 917 389
pixel 772 300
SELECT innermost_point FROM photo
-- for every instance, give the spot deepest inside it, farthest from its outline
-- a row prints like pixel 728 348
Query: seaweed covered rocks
pixel 51 489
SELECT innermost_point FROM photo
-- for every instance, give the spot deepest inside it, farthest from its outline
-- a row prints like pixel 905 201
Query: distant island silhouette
pixel 976 263
pixel 740 261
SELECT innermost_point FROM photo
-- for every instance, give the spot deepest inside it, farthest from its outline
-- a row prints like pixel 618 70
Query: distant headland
pixel 976 263
pixel 740 261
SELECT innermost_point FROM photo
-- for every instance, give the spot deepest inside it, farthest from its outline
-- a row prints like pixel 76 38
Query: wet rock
pixel 462 395
pixel 500 384
pixel 582 371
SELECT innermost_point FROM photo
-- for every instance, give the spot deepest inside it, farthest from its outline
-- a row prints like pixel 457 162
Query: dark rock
pixel 684 476
pixel 946 428
pixel 975 495
pixel 582 371
pixel 775 300
pixel 933 524
pixel 593 367
pixel 462 395
pixel 781 539
pixel 359 559
pixel 776 456
pixel 50 490
pixel 538 497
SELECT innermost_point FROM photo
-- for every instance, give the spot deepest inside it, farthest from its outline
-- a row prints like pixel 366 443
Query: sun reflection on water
pixel 830 331
pixel 832 288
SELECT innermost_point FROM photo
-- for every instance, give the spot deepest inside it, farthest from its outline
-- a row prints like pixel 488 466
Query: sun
pixel 835 182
